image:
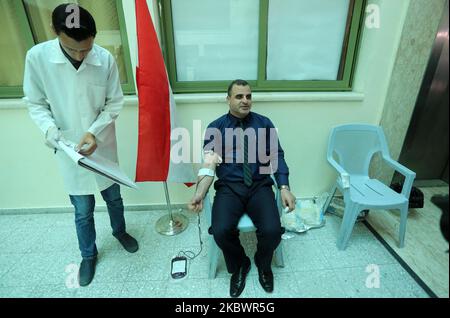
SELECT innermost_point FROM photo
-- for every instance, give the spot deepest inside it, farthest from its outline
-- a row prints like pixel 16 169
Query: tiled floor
pixel 426 250
pixel 39 258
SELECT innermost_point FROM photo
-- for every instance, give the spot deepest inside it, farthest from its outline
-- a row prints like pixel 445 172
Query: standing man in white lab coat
pixel 73 93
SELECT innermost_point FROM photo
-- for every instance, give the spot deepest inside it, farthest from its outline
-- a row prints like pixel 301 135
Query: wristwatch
pixel 285 187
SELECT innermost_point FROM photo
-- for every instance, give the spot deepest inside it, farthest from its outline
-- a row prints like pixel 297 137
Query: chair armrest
pixel 277 195
pixel 408 174
pixel 344 179
pixel 279 201
pixel 207 208
pixel 399 167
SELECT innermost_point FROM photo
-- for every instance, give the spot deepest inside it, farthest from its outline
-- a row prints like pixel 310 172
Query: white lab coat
pixel 87 100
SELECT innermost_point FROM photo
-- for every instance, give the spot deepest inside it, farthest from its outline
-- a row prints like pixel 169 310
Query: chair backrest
pixel 354 146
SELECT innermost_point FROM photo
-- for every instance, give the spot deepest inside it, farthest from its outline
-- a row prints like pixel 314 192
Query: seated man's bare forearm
pixel 206 177
pixel 205 181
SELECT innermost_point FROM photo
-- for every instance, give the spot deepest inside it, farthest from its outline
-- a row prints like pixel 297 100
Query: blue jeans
pixel 84 218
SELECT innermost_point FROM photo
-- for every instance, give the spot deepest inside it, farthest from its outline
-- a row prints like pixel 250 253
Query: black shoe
pixel 266 280
pixel 237 282
pixel 87 271
pixel 128 243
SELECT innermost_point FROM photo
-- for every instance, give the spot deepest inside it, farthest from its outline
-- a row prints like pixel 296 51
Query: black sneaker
pixel 87 271
pixel 128 243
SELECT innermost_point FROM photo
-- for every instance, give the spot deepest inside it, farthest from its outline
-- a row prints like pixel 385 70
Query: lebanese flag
pixel 156 108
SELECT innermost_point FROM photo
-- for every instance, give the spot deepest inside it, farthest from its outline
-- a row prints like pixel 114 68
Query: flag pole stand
pixel 173 223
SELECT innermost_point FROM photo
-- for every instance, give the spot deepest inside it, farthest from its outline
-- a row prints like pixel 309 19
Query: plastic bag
pixel 305 216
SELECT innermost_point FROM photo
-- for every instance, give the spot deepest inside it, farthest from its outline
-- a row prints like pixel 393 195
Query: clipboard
pixel 97 164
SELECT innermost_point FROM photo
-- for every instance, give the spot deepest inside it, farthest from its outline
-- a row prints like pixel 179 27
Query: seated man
pixel 244 185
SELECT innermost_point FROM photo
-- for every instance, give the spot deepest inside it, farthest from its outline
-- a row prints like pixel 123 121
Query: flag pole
pixel 173 223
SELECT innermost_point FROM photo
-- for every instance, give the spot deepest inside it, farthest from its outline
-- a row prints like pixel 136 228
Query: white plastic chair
pixel 354 146
pixel 245 225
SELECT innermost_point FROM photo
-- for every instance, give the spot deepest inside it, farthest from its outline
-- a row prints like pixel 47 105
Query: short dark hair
pixel 239 82
pixel 86 28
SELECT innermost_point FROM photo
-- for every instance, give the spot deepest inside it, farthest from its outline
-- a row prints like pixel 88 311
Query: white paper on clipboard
pixel 99 165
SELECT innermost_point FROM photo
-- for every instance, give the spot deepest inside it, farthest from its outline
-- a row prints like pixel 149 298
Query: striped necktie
pixel 248 180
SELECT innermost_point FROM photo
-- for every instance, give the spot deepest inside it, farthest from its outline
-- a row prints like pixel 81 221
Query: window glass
pixel 12 45
pixel 216 39
pixel 305 39
pixel 277 45
pixel 105 15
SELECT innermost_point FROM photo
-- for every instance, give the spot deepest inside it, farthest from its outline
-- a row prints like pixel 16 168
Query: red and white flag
pixel 156 108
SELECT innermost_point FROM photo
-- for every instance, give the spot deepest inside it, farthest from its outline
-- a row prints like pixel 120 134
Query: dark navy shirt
pixel 74 62
pixel 265 155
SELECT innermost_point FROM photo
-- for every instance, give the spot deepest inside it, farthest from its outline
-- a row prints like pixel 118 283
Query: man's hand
pixel 288 199
pixel 89 140
pixel 196 204
pixel 52 137
pixel 211 158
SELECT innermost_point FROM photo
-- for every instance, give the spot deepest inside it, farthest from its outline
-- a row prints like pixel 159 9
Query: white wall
pixel 28 172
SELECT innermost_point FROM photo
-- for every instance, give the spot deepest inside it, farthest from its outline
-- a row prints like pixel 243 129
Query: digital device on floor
pixel 179 267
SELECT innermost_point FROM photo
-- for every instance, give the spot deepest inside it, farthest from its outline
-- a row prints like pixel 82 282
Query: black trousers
pixel 231 201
